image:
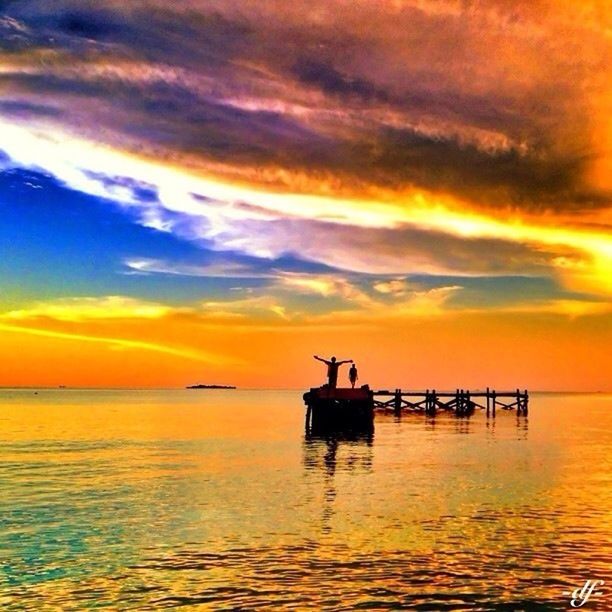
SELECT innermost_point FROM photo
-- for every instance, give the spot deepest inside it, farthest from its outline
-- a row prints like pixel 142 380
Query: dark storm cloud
pixel 171 115
pixel 403 156
pixel 328 79
pixel 153 33
pixel 481 101
pixel 16 108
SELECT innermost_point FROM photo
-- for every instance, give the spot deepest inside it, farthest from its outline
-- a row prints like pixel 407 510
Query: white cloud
pixel 395 287
pixel 324 284
pixel 269 224
pixel 214 270
pixel 242 307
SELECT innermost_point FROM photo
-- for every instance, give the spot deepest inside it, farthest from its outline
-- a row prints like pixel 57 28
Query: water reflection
pixel 142 501
pixel 324 455
pixel 462 425
pixel 332 452
pixel 521 425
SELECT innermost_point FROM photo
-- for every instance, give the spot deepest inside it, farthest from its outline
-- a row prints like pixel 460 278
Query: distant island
pixel 210 387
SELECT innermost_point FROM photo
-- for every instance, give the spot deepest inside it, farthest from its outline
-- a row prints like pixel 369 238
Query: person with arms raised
pixel 332 369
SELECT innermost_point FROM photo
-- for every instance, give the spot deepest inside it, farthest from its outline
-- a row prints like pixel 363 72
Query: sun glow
pixel 249 183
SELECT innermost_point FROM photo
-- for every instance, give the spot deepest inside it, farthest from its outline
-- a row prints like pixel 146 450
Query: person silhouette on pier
pixel 332 369
pixel 353 376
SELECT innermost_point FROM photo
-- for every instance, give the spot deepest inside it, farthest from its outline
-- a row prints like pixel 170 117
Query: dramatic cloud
pixel 502 104
pixel 301 166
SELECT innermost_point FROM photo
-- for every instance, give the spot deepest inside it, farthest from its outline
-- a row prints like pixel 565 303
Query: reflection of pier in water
pixel 327 455
pixel 333 458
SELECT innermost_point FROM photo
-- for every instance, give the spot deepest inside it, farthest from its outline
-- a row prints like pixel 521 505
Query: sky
pixel 215 191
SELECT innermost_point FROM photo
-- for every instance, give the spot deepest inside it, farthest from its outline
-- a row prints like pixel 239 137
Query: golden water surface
pixel 151 499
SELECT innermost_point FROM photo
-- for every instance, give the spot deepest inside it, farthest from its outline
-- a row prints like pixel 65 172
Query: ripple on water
pixel 440 514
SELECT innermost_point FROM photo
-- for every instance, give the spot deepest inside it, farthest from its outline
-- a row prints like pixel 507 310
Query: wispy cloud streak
pixel 121 344
pixel 396 138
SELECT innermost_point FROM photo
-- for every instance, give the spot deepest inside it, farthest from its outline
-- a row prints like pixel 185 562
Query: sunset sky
pixel 214 191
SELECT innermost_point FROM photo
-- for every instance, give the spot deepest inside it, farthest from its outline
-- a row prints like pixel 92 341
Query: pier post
pixel 493 397
pixel 488 402
pixel 397 405
pixel 526 404
pixel 519 408
pixel 430 402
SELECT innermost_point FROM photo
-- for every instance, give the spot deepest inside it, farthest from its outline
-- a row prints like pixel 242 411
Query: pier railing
pixel 462 402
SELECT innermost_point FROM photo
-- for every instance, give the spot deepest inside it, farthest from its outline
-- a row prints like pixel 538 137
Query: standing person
pixel 332 369
pixel 353 376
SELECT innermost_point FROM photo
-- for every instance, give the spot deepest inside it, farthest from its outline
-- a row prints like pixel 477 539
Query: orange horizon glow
pixel 469 351
pixel 421 186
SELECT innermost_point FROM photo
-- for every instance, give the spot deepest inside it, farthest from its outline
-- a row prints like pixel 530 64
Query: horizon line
pixel 177 388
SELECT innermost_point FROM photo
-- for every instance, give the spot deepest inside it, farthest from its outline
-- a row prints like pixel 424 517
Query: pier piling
pixel 397 406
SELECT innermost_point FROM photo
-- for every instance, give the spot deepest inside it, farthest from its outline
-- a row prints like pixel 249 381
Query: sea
pixel 217 500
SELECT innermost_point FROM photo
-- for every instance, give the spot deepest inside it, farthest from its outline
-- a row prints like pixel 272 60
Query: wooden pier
pixel 461 402
pixel 336 409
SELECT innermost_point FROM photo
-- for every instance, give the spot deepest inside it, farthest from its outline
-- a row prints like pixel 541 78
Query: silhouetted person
pixel 353 376
pixel 332 369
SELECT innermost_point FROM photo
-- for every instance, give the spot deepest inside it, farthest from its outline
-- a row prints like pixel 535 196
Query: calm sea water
pixel 152 499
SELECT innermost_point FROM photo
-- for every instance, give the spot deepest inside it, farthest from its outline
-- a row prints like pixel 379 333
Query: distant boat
pixel 210 387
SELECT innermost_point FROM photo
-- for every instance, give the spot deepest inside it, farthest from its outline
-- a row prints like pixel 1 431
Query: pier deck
pixel 461 402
